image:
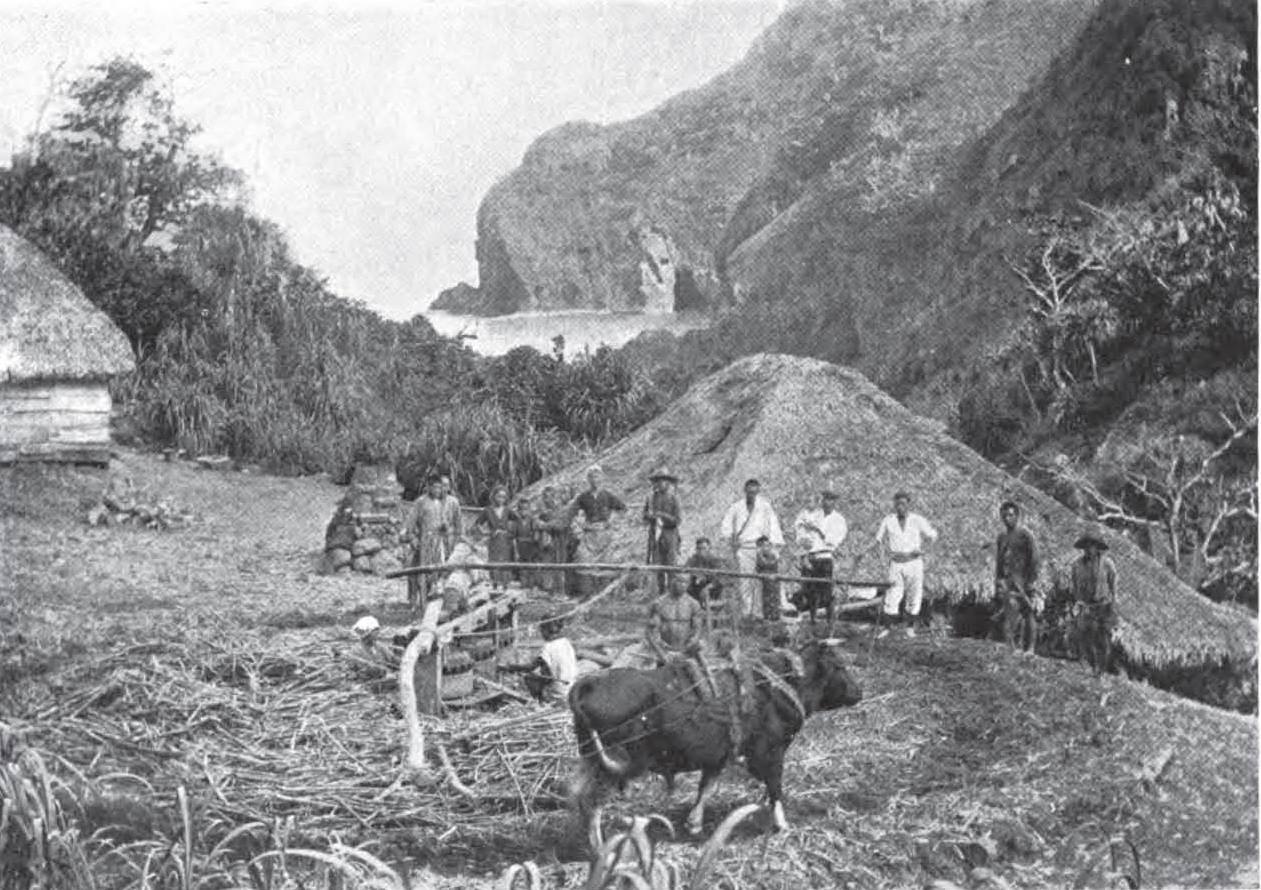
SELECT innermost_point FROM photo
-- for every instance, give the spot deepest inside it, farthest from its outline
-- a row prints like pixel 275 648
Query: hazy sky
pixel 371 132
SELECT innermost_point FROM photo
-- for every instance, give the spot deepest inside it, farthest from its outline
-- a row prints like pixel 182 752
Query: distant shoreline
pixel 581 328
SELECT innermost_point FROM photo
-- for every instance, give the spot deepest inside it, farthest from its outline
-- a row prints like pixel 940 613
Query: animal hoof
pixel 694 829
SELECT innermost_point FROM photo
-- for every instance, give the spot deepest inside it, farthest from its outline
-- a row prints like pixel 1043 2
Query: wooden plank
pixel 56 396
pixel 472 620
pixel 429 665
pixel 631 567
pixel 77 454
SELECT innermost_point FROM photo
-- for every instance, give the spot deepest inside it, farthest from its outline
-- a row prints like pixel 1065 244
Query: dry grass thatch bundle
pixel 800 425
pixel 48 328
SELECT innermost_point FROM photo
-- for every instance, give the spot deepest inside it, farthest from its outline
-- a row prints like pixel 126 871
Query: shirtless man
pixel 674 622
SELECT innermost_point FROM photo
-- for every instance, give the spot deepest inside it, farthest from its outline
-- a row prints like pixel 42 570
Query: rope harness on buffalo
pixel 704 680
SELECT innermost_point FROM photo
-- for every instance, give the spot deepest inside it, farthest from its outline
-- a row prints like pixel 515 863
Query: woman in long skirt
pixel 501 524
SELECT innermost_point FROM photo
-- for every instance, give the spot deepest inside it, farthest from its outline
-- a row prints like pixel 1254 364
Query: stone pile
pixel 368 532
pixel 122 504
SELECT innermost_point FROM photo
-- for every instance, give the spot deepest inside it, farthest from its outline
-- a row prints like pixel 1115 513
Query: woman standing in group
pixel 501 524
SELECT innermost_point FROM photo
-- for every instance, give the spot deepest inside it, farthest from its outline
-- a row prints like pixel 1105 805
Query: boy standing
pixel 767 563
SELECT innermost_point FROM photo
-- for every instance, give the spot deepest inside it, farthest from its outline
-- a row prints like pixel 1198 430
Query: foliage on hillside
pixel 1082 273
pixel 244 351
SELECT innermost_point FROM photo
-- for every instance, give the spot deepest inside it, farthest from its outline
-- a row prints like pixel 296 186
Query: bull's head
pixel 826 682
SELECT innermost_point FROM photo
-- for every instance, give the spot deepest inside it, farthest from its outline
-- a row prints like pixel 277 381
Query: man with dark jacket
pixel 1016 570
pixel 661 514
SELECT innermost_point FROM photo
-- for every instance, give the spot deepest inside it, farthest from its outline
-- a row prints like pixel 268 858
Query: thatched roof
pixel 48 328
pixel 799 425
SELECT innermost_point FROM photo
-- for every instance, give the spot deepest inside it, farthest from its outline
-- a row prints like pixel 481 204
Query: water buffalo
pixel 689 716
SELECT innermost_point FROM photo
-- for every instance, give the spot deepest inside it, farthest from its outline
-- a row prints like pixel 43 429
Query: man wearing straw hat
pixel 1094 590
pixel 661 513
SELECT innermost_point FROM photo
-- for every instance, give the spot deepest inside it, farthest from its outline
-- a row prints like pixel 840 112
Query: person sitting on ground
pixel 1094 590
pixel 674 622
pixel 767 563
pixel 702 585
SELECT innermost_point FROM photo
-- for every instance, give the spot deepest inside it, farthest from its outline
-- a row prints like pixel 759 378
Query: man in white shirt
pixel 745 521
pixel 820 532
pixel 556 667
pixel 903 535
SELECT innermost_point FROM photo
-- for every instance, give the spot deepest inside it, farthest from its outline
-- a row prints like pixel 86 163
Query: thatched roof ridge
pixel 48 328
pixel 799 425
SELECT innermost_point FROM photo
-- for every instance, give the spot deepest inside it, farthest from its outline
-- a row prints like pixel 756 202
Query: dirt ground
pixel 964 762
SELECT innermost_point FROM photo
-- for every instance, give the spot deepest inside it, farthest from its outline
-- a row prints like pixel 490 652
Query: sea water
pixel 582 329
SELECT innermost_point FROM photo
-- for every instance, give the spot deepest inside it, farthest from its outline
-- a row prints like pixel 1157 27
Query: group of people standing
pixel 750 531
pixel 524 533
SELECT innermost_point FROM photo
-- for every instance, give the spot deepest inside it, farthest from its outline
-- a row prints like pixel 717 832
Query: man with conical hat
pixel 661 514
pixel 1094 590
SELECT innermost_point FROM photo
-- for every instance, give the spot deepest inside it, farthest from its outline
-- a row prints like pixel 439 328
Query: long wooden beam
pixel 624 567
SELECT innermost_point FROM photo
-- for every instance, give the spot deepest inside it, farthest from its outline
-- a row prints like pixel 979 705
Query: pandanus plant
pixel 627 860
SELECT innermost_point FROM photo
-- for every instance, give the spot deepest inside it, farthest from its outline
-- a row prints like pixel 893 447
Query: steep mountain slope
pixel 643 213
pixel 915 288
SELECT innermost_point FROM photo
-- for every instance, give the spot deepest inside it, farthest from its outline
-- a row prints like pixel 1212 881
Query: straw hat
pixel 663 473
pixel 1090 540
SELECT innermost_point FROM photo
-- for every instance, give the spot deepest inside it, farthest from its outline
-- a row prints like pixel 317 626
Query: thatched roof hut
pixel 800 425
pixel 57 352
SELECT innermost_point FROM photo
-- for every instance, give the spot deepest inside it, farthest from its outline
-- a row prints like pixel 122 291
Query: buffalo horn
pixel 617 769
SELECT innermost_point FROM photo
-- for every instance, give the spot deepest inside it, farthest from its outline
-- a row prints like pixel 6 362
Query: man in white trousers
pixel 902 535
pixel 745 521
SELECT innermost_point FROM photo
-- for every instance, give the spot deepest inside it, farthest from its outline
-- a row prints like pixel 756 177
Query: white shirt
pixel 908 538
pixel 739 524
pixel 562 662
pixel 832 525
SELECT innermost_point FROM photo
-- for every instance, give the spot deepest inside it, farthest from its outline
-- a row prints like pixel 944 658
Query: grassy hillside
pixel 212 659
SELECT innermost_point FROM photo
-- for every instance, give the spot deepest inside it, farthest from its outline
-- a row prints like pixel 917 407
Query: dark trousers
pixel 816 595
pixel 527 551
pixel 1019 621
pixel 664 552
pixel 770 600
pixel 1094 634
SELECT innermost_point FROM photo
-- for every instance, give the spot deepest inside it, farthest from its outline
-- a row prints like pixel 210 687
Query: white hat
pixel 366 625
